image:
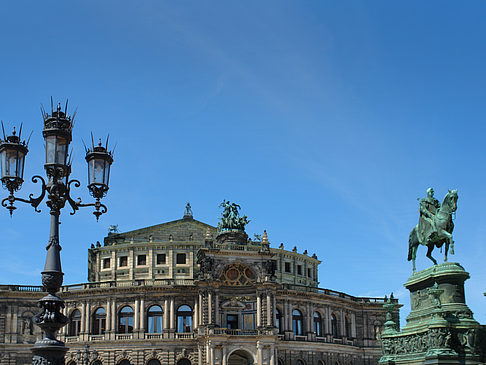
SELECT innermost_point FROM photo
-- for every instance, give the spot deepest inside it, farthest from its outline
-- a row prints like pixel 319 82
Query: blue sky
pixel 324 120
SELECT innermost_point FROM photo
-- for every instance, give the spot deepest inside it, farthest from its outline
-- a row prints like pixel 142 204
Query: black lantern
pixel 57 135
pixel 99 162
pixel 12 155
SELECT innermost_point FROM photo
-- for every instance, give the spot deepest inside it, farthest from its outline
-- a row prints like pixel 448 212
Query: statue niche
pixel 237 275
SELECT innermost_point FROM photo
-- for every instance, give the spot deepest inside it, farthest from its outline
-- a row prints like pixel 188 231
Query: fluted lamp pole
pixel 57 134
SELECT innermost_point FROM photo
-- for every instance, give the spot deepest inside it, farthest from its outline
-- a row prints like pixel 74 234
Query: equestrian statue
pixel 435 225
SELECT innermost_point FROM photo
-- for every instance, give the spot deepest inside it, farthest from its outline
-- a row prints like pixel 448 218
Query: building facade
pixel 184 292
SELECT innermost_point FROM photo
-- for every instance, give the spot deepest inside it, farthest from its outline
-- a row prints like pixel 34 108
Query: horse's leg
pixel 446 249
pixel 430 247
pixel 414 255
pixel 448 242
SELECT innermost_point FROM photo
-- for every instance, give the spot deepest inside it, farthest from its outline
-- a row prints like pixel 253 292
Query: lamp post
pixel 84 356
pixel 57 134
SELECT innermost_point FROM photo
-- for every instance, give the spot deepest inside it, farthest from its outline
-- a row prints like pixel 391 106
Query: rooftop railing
pixel 183 282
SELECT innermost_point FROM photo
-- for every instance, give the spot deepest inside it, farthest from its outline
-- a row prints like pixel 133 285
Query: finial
pixel 14 132
pixel 305 252
pixel 58 107
pixel 314 256
pixel 265 237
pixel 99 143
pixel 294 249
pixel 281 246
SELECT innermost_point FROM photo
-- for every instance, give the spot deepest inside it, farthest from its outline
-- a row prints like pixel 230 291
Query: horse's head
pixel 450 200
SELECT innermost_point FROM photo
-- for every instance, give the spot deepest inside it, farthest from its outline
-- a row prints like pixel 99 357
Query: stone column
pixel 196 314
pixel 108 316
pixel 259 353
pixel 353 325
pixel 199 355
pixel 342 331
pixel 269 310
pixel 87 316
pixel 210 308
pixel 172 315
pixel 201 319
pixel 289 316
pixel 137 315
pixel 166 324
pixel 113 318
pixel 259 310
pixel 83 317
pixel 224 360
pixel 216 309
pixel 274 311
pixel 211 351
pixel 141 324
pixel 272 354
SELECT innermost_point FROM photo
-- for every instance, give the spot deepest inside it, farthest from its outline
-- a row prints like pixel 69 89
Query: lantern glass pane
pixel 3 156
pixel 21 161
pixel 61 150
pixel 91 179
pixel 107 173
pixel 99 171
pixel 11 166
pixel 50 149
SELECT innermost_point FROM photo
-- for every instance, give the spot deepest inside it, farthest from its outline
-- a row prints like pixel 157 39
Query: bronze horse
pixel 440 235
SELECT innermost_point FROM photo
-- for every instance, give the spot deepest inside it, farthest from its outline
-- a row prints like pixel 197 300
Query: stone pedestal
pixel 235 236
pixel 440 328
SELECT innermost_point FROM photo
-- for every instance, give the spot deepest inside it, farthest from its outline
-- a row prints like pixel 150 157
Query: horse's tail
pixel 411 242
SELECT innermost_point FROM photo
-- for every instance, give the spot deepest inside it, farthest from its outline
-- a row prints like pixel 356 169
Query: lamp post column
pixel 50 350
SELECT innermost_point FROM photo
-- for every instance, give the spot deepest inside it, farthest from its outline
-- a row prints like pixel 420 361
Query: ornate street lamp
pixel 57 135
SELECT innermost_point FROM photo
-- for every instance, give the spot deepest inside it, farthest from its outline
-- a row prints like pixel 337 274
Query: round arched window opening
pixel 297 322
pixel 155 316
pixel 184 361
pixel 184 319
pixel 153 362
pixel 99 321
pixel 125 320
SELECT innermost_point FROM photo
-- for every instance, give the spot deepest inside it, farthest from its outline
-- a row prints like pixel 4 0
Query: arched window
pixel 96 362
pixel 278 322
pixel 74 323
pixel 153 362
pixel 184 361
pixel 99 321
pixel 347 326
pixel 154 319
pixel 280 362
pixel 317 324
pixel 72 362
pixel 297 322
pixel 184 319
pixel 124 362
pixel 334 327
pixel 125 320
pixel 299 362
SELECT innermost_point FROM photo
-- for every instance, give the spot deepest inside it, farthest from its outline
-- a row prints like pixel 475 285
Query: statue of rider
pixel 428 208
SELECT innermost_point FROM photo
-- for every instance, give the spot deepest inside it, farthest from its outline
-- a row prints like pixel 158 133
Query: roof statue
pixel 113 229
pixel 230 218
pixel 435 225
pixel 188 211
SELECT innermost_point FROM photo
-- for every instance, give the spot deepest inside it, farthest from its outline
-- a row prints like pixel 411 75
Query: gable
pixel 186 229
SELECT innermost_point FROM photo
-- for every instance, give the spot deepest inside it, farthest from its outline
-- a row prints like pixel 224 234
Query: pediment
pixel 181 230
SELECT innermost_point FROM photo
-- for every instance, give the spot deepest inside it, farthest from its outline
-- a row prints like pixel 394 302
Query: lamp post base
pixel 48 354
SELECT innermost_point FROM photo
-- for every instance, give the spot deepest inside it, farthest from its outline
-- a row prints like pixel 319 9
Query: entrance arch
pixel 240 357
